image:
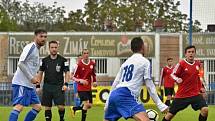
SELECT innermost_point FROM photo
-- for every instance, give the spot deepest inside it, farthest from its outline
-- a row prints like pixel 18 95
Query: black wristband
pixel 37 86
pixel 66 84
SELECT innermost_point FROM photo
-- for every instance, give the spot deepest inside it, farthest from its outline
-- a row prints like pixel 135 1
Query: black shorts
pixel 52 94
pixel 197 102
pixel 85 96
pixel 169 91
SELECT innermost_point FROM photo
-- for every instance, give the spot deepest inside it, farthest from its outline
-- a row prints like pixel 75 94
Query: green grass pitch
pixel 96 114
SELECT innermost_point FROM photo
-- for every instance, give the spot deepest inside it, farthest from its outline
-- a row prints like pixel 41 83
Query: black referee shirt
pixel 54 70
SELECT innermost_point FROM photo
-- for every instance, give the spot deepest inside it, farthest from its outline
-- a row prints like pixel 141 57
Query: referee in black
pixel 54 66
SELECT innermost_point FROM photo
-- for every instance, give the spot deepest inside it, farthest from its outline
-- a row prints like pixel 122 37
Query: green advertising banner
pixel 99 45
pixel 205 44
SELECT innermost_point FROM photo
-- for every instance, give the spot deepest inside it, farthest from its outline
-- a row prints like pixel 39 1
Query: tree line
pixel 98 15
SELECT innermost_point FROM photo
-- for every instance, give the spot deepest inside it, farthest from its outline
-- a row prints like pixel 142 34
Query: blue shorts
pixel 75 87
pixel 24 96
pixel 122 104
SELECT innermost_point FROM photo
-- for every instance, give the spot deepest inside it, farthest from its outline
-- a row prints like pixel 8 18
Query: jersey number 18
pixel 128 73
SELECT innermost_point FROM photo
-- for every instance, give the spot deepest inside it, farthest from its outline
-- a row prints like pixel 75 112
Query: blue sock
pixel 77 101
pixel 14 115
pixel 31 115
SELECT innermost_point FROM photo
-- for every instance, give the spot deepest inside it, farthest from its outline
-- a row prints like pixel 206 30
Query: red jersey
pixel 189 73
pixel 86 72
pixel 166 77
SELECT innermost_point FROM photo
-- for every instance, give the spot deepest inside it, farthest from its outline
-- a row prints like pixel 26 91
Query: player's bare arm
pixel 152 91
pixel 93 77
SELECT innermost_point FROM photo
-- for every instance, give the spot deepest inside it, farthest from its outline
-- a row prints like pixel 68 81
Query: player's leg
pixel 167 102
pixel 136 109
pixel 171 94
pixel 111 112
pixel 199 103
pixel 77 102
pixel 48 113
pixel 47 103
pixel 177 105
pixel 61 111
pixel 88 100
pixel 18 94
pixel 59 100
pixel 74 109
pixel 33 112
pixel 203 114
pixel 14 114
pixel 36 105
pixel 141 116
pixel 128 105
pixel 76 97
pixel 168 95
pixel 203 111
pixel 168 117
pixel 87 104
pixel 80 107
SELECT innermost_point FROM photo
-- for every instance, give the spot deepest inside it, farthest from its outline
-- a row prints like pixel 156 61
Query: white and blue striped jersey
pixel 30 57
pixel 132 74
pixel 135 71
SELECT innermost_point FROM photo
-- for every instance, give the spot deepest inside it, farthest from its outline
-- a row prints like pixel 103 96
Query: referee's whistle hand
pixel 64 88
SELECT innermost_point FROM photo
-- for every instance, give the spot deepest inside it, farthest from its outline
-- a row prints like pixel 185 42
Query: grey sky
pixel 68 4
pixel 79 4
pixel 184 7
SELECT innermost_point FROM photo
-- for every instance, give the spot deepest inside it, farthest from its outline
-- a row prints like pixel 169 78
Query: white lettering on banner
pixel 200 52
pixel 198 41
pixel 98 52
pixel 210 52
pixel 15 46
pixel 210 41
pixel 102 42
pixel 74 47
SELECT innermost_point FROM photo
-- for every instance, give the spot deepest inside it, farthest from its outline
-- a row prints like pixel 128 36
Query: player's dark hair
pixel 189 47
pixel 84 50
pixel 53 41
pixel 169 58
pixel 38 31
pixel 136 44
